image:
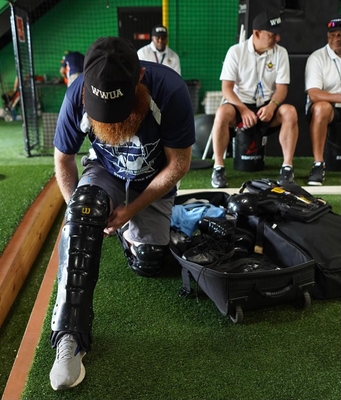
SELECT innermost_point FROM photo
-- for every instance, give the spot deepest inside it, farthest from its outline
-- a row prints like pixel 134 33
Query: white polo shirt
pixel 323 71
pixel 167 57
pixel 247 68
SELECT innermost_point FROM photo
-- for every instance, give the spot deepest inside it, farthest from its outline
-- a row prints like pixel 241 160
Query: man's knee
pixel 225 116
pixel 288 113
pixel 322 110
pixel 88 204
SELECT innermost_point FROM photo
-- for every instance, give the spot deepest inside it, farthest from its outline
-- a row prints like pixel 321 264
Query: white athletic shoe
pixel 68 369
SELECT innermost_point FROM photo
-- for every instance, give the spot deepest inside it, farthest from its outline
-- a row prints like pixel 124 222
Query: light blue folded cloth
pixel 185 218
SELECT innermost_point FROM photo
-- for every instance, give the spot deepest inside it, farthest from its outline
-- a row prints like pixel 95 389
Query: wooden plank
pixel 17 378
pixel 22 250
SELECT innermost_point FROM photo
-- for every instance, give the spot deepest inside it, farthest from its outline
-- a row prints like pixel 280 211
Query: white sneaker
pixel 68 369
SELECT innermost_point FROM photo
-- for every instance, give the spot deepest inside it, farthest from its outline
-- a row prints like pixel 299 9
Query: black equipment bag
pixel 247 281
pixel 320 240
pixel 290 201
pixel 318 236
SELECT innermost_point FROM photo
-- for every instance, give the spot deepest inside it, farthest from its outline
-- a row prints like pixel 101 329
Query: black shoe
pixel 286 175
pixel 317 174
pixel 242 239
pixel 209 251
pixel 244 242
pixel 219 227
pixel 219 178
pixel 180 240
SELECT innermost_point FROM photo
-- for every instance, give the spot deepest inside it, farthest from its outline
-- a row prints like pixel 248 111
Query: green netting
pixel 199 31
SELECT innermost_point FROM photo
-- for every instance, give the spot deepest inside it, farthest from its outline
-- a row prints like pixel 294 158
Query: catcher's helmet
pixel 243 203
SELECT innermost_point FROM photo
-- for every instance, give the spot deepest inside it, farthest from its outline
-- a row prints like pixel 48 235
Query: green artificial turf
pixel 151 344
pixel 22 178
pixel 19 186
pixel 201 178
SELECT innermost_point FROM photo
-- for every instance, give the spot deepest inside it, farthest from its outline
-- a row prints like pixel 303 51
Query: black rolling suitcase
pixel 243 281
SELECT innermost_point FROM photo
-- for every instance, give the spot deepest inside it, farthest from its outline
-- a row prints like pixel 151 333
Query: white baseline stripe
pixel 314 190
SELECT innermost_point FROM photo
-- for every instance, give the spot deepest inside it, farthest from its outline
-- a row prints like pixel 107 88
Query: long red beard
pixel 120 132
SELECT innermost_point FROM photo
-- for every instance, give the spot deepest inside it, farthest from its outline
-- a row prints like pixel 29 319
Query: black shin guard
pixel 79 259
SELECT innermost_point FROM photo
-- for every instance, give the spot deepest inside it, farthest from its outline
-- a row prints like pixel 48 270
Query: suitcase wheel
pixel 305 300
pixel 238 315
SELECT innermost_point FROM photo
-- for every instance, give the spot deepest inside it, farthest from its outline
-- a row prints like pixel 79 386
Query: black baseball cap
pixel 263 22
pixel 111 73
pixel 334 24
pixel 159 30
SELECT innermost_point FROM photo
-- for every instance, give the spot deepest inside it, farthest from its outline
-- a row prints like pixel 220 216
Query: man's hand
pixel 249 118
pixel 178 163
pixel 266 113
pixel 120 215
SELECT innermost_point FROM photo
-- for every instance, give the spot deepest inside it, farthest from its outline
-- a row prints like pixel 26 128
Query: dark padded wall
pixel 304 32
pixel 297 97
pixel 305 21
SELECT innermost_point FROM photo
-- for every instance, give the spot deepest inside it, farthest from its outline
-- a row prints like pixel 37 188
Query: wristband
pixel 276 102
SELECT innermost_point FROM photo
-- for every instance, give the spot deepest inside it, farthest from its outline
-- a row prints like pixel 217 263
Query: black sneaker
pixel 317 174
pixel 219 178
pixel 286 175
pixel 222 228
pixel 209 251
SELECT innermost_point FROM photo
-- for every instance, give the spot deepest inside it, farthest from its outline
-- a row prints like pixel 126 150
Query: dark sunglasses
pixel 334 23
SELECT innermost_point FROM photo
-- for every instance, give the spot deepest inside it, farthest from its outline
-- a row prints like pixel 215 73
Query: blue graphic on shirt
pixel 132 159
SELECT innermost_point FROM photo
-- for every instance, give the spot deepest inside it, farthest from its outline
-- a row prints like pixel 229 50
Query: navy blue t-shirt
pixel 169 123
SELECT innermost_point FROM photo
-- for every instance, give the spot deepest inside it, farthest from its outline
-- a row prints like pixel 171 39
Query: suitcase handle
pixel 278 293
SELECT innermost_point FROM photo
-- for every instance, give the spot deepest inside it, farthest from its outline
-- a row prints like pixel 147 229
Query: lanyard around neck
pixel 157 60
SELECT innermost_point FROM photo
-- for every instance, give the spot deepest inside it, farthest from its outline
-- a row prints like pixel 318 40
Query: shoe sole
pixel 218 186
pixel 286 182
pixel 314 183
pixel 81 375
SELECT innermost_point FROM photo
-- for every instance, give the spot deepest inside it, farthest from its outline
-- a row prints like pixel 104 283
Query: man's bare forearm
pixel 66 173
